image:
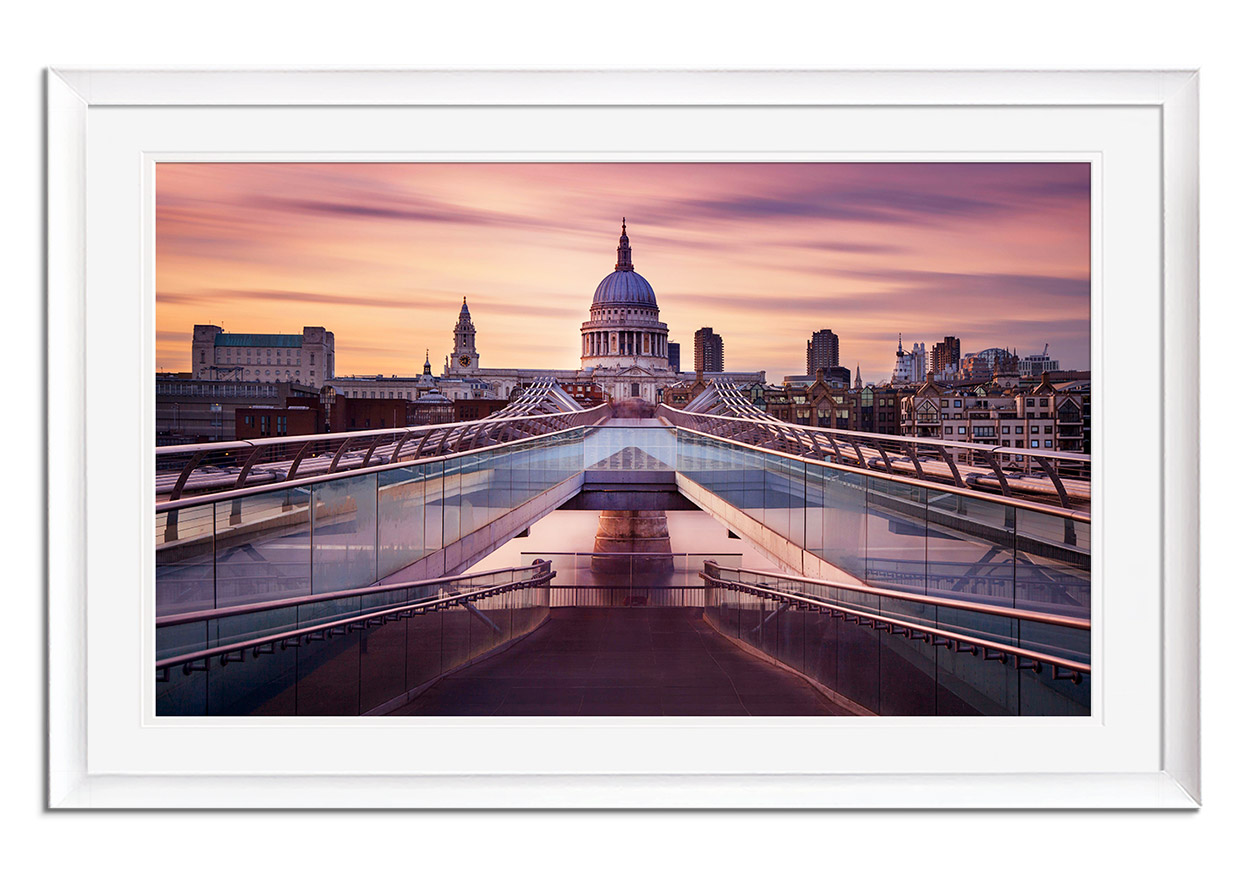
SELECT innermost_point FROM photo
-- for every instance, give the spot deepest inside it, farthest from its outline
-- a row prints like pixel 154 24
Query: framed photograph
pixel 473 439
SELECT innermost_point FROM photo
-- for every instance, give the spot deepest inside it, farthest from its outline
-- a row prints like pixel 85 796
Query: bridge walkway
pixel 623 662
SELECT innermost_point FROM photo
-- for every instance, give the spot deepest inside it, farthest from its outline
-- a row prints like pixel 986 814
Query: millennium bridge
pixel 341 574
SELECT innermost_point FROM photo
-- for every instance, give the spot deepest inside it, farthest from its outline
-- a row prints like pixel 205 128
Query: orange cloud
pixel 381 254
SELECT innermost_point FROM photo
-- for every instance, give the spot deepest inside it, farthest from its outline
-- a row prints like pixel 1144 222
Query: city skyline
pixel 382 254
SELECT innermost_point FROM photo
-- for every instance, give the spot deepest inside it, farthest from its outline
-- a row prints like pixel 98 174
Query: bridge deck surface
pixel 623 662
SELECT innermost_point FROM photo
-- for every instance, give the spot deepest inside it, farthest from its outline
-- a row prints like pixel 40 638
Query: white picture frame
pixel 85 775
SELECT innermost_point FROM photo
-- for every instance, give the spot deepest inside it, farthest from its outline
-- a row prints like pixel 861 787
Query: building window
pixel 282 425
pixel 1033 444
pixel 1049 429
pixel 1032 429
pixel 963 430
pixel 948 429
pixel 1019 429
pixel 1028 402
pixel 958 403
pixel 1048 444
pixel 1006 429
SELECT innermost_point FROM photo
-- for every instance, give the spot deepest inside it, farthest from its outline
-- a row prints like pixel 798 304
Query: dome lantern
pixel 624 258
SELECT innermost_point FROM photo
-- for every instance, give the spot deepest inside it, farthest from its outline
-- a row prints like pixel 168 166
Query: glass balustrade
pixel 870 648
pixel 903 535
pixel 289 662
pixel 334 534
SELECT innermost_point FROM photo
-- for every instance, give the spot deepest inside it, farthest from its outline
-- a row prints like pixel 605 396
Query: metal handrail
pixel 874 436
pixel 302 444
pixel 932 636
pixel 994 498
pixel 217 446
pixel 297 601
pixel 936 601
pixel 211 497
pixel 298 637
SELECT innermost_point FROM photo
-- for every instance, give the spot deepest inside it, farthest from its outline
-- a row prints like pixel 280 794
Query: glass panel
pixel 895 538
pixel 451 501
pixel 967 684
pixel 499 495
pixel 184 561
pixel 813 509
pixel 263 548
pixel 328 676
pixel 262 684
pixel 456 633
pixel 1052 564
pixel 345 533
pixel 908 665
pixel 383 663
pixel 424 648
pixel 474 492
pixel 181 692
pixel 844 520
pixel 970 548
pixel 401 518
pixel 434 516
pixel 796 491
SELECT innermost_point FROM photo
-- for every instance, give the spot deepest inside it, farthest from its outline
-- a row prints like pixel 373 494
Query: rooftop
pixel 289 341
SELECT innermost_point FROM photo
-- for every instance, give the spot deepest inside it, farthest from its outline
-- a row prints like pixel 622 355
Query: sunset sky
pixel 381 254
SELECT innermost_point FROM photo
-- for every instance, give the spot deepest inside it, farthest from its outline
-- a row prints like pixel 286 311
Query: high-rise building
pixel 945 354
pixel 709 351
pixel 822 351
pixel 674 356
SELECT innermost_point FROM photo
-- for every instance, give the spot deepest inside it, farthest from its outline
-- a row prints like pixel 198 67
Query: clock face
pixel 464 361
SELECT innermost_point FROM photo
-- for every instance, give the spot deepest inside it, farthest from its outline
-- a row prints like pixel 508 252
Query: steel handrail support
pixel 171 518
pixel 338 455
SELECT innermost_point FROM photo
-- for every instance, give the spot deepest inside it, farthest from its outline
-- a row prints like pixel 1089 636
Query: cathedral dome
pixel 624 288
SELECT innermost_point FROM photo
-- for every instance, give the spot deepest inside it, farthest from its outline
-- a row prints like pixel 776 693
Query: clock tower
pixel 464 336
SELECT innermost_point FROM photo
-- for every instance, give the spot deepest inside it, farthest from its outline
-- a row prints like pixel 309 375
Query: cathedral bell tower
pixel 464 338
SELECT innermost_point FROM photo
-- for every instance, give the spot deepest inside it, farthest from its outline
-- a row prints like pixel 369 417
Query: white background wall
pixel 639 33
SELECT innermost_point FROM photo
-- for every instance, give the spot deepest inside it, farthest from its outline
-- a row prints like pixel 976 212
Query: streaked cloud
pixel 381 254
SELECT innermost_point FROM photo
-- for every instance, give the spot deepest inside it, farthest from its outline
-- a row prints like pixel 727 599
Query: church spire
pixel 624 258
pixel 426 370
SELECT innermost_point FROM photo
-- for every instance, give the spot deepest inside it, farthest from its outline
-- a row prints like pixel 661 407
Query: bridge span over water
pixel 339 574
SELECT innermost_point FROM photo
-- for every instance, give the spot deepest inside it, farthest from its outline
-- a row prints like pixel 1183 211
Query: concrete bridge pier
pixel 631 532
